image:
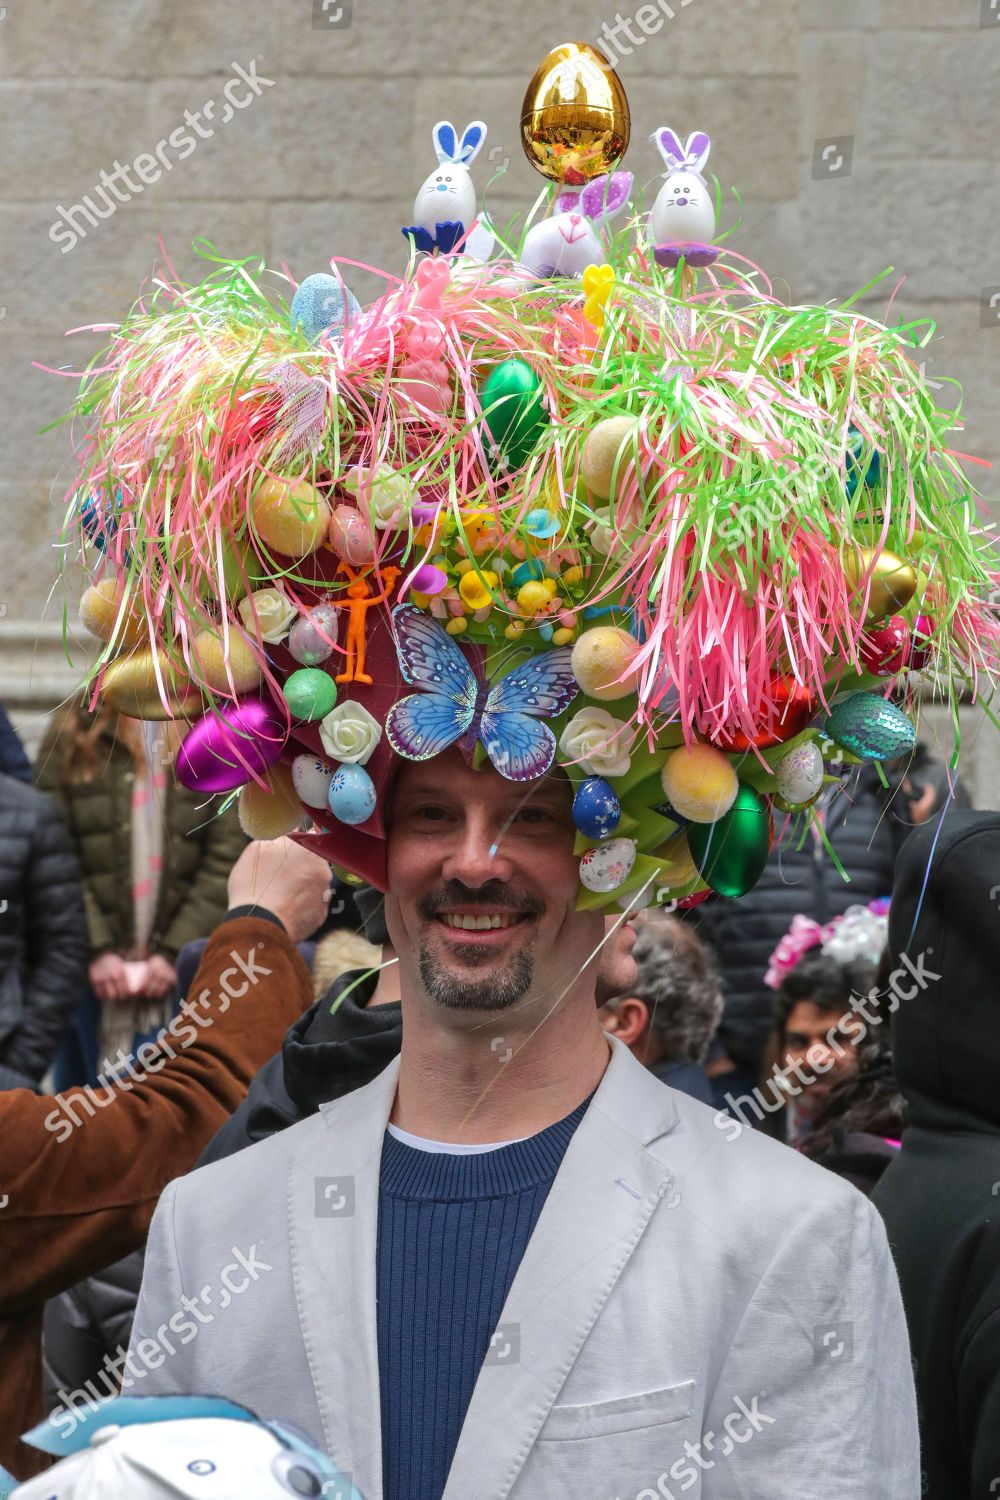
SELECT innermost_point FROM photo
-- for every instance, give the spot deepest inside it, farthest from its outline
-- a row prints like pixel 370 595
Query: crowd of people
pixel 283 1142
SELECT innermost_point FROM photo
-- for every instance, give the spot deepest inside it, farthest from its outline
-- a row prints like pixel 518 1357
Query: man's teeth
pixel 477 924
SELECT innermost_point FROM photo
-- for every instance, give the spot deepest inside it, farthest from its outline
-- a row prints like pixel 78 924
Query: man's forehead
pixel 449 774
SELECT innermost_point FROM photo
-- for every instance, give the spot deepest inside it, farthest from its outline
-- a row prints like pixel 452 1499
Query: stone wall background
pixel 327 158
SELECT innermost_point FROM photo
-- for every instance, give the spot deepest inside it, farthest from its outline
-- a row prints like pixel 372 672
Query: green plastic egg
pixel 732 852
pixel 512 410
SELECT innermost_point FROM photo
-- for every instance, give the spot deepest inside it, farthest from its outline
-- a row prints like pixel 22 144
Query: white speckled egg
pixel 608 866
pixel 799 774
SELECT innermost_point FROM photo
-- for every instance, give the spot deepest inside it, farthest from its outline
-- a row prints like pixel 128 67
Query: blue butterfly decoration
pixel 455 706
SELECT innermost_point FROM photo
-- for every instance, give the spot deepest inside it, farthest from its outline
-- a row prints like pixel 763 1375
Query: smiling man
pixel 516 1264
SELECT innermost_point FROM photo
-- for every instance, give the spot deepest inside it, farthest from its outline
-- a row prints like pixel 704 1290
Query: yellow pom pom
pixel 608 441
pixel 572 575
pixel 293 519
pixel 476 589
pixel 99 611
pixel 211 657
pixel 601 656
pixel 268 813
pixel 457 626
pixel 532 597
pixel 699 782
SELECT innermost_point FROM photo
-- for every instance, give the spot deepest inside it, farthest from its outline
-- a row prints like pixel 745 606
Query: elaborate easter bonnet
pixel 580 493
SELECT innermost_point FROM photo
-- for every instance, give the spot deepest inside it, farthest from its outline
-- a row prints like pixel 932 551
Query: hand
pixel 160 977
pixel 107 977
pixel 287 879
pixel 919 808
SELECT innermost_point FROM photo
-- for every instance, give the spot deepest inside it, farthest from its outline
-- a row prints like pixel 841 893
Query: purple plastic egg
pixel 313 636
pixel 227 748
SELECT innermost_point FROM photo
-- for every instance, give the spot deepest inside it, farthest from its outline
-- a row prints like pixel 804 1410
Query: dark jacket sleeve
pixel 87 1322
pixel 206 899
pixel 13 761
pixel 56 946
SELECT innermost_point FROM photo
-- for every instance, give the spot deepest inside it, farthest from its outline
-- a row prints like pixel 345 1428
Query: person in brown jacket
pixel 80 1172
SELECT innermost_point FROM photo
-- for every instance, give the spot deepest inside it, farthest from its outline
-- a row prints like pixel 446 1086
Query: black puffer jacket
pixel 43 930
pixel 865 830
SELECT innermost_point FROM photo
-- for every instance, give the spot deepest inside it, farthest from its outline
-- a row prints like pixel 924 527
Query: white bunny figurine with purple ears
pixel 568 243
pixel 445 206
pixel 683 216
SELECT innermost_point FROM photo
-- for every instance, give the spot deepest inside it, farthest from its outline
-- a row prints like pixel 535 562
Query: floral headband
pixel 586 498
pixel 858 933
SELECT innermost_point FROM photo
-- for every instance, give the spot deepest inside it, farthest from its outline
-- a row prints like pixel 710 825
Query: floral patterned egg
pixel 311 779
pixel 608 866
pixel 596 809
pixel 799 774
pixel 351 797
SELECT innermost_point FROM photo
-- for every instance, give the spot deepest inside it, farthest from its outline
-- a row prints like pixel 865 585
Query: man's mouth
pixel 481 921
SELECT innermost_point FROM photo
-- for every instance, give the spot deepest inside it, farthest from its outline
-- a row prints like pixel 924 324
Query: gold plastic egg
pixel 575 120
pixel 129 686
pixel 893 581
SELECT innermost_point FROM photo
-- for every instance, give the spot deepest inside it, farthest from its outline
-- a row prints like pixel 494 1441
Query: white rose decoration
pixel 350 733
pixel 602 534
pixel 389 498
pixel 598 742
pixel 274 612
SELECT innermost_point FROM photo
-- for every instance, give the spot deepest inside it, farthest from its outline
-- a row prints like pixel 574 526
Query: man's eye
pixel 534 815
pixel 431 813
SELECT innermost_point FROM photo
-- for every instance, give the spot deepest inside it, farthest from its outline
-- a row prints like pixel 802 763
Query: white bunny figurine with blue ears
pixel 445 206
pixel 683 217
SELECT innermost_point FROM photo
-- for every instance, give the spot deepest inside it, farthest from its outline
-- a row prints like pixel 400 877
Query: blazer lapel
pixel 332 1226
pixel 600 1203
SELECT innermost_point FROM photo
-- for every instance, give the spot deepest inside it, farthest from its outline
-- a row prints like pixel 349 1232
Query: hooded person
pixel 939 1196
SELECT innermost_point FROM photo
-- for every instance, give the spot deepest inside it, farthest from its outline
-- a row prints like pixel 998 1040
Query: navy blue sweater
pixel 451 1234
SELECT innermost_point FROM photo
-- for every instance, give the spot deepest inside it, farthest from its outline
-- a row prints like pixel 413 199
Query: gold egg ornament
pixel 893 582
pixel 129 686
pixel 575 121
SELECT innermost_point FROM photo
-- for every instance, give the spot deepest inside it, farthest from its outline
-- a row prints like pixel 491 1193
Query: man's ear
pixel 628 1019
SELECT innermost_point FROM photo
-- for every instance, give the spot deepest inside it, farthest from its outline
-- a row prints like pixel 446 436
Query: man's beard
pixel 499 990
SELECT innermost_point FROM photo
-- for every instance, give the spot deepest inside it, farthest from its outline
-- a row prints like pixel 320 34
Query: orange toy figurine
pixel 358 602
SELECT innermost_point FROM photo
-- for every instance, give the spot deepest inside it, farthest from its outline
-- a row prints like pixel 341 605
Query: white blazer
pixel 698 1312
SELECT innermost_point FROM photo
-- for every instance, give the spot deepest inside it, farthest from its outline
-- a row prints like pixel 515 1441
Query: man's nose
pixel 478 854
pixel 820 1057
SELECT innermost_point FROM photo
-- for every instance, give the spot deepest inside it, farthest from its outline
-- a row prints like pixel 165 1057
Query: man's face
pixel 806 1042
pixel 482 886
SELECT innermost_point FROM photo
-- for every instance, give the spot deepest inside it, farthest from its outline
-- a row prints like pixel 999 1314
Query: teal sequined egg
pixel 870 727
